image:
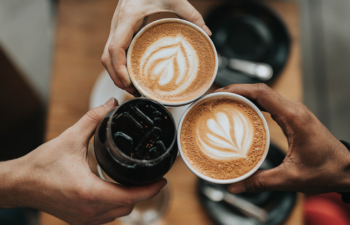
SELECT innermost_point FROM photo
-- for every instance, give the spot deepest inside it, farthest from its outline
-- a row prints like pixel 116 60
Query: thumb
pixel 116 194
pixel 86 126
pixel 265 180
pixel 186 11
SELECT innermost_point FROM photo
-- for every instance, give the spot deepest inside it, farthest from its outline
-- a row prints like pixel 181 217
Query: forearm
pixel 10 179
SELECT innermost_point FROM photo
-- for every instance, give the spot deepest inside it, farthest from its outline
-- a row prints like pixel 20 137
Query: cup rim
pixel 133 160
pixel 235 97
pixel 142 92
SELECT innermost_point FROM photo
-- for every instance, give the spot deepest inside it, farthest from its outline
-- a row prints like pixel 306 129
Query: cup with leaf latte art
pixel 172 61
pixel 223 138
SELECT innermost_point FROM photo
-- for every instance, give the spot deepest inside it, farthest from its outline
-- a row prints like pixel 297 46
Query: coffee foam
pixel 173 62
pixel 223 138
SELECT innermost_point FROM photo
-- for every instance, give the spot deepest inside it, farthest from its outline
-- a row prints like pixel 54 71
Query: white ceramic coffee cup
pixel 139 88
pixel 234 97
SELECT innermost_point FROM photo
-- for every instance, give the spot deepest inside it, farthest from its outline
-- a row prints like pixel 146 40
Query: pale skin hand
pixel 127 20
pixel 316 161
pixel 56 178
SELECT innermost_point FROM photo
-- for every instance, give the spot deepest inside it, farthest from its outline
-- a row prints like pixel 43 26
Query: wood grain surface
pixel 82 31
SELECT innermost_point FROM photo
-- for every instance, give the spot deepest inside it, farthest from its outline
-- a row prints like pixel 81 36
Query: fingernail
pixel 207 30
pixel 237 189
pixel 110 103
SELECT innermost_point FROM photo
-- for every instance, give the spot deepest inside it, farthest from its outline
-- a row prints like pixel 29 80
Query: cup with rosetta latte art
pixel 223 138
pixel 172 61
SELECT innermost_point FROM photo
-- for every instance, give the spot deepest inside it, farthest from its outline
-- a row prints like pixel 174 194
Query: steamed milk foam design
pixel 223 138
pixel 172 62
pixel 229 135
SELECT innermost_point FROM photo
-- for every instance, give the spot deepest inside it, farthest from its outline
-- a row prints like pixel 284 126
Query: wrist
pixel 11 177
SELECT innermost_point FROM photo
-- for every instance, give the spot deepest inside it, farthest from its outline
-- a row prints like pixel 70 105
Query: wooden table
pixel 82 31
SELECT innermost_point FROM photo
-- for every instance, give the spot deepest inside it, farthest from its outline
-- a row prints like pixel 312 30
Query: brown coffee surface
pixel 172 62
pixel 211 136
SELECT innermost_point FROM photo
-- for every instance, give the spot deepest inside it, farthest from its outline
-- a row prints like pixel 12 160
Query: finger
pixel 186 11
pixel 277 179
pixel 106 58
pixel 86 126
pixel 117 64
pixel 107 62
pixel 119 43
pixel 264 97
pixel 125 196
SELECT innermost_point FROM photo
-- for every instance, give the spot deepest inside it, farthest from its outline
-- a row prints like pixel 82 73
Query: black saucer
pixel 250 31
pixel 278 204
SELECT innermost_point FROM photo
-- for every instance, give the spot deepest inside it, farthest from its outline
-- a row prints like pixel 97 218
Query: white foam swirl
pixel 171 64
pixel 228 135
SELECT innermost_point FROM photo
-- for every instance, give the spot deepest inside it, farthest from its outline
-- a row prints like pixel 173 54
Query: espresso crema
pixel 223 138
pixel 172 62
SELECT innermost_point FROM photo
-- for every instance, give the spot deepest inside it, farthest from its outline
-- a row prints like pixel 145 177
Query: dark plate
pixel 278 204
pixel 251 31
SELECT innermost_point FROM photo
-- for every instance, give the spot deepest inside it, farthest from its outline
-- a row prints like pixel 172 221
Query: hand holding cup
pixel 128 18
pixel 316 161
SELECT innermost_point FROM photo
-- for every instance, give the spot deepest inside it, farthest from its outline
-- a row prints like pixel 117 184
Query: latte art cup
pixel 236 98
pixel 172 64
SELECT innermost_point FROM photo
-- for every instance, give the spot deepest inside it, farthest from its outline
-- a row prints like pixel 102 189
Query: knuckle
pixel 195 15
pixel 93 115
pixel 119 72
pixel 111 48
pixel 259 185
pixel 228 87
pixel 262 88
pixel 104 59
pixel 127 201
pixel 301 115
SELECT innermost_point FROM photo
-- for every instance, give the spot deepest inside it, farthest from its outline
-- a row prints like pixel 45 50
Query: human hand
pixel 127 20
pixel 56 178
pixel 316 161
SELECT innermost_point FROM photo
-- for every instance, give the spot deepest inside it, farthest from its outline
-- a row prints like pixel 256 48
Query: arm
pixel 56 178
pixel 10 180
pixel 316 161
pixel 128 17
